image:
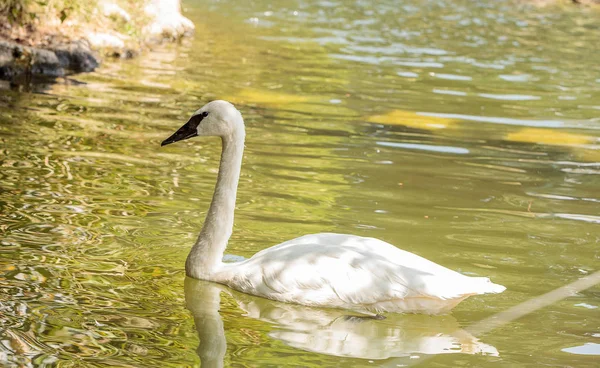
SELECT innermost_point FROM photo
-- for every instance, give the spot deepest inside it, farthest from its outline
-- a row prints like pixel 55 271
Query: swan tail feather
pixel 485 286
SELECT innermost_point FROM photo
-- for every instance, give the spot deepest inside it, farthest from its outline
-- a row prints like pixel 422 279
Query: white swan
pixel 366 275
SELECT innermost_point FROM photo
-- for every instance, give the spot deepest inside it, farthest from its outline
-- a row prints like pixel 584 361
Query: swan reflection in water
pixel 326 331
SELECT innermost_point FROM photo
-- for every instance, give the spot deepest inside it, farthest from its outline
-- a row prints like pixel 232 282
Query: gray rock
pixel 76 57
pixel 44 62
pixel 54 61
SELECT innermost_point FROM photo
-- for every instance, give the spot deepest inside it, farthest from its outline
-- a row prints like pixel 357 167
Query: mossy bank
pixel 59 37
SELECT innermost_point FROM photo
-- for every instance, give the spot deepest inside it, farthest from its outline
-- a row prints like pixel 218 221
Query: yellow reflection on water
pixel 412 120
pixel 548 136
pixel 266 97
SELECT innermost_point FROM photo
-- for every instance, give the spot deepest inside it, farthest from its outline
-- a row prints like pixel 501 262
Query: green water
pixel 465 132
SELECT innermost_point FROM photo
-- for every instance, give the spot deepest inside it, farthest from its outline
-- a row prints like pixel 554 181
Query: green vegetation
pixel 42 23
pixel 30 12
pixel 113 27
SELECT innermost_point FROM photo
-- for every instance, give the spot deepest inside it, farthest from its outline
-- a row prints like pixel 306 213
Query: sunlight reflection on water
pixel 459 141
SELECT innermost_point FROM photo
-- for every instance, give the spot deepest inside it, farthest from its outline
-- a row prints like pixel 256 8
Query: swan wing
pixel 347 270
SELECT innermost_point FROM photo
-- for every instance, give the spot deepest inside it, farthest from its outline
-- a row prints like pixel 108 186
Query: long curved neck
pixel 206 255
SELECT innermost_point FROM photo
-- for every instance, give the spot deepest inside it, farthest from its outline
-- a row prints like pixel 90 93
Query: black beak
pixel 188 130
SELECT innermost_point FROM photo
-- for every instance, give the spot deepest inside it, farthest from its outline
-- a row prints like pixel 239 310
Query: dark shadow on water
pixel 27 83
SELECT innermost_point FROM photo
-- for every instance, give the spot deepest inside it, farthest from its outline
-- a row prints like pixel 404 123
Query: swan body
pixel 351 272
pixel 366 275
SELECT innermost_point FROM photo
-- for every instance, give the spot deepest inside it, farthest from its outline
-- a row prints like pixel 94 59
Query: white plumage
pixel 351 272
pixel 328 270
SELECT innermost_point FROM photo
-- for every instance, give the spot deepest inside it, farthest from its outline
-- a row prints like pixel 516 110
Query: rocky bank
pixel 55 47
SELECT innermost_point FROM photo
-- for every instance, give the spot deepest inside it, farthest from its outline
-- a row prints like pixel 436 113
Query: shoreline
pixel 52 47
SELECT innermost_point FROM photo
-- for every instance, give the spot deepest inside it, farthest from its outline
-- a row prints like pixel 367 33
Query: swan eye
pixel 205 114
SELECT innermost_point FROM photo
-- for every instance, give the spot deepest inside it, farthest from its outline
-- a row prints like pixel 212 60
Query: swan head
pixel 216 118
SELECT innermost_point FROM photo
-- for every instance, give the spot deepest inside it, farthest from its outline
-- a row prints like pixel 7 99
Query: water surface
pixel 465 132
